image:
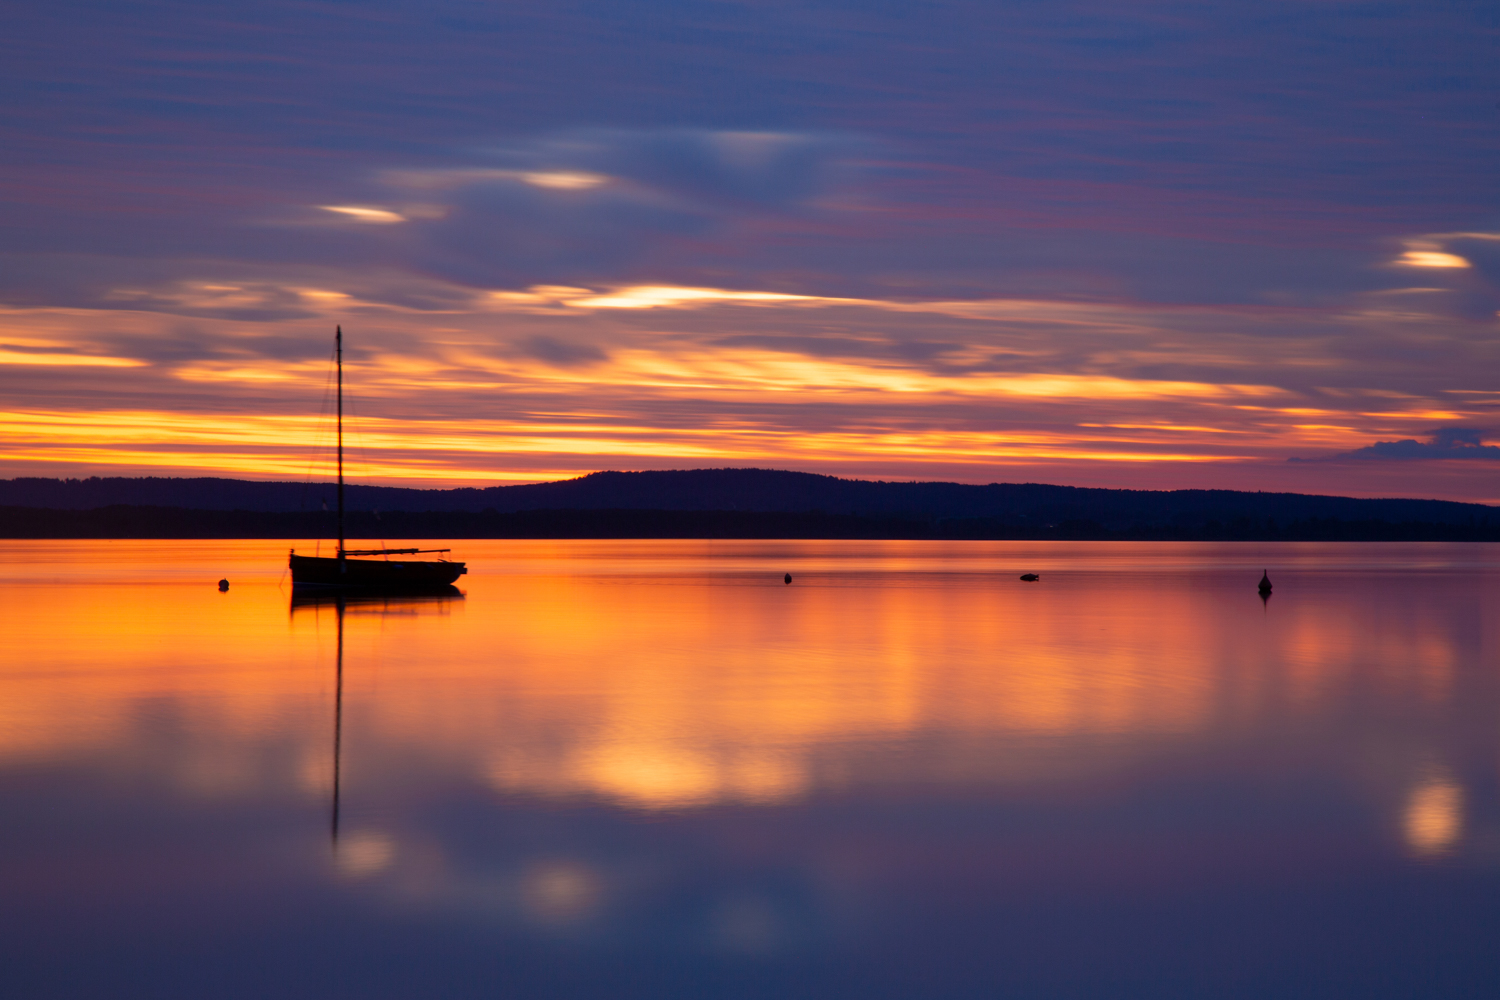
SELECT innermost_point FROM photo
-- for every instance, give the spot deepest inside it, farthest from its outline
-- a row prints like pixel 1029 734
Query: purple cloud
pixel 1224 194
pixel 1462 443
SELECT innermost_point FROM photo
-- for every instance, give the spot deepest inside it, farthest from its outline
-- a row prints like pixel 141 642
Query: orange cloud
pixel 512 386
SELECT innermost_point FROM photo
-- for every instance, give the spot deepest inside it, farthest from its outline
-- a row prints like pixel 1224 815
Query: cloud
pixel 560 354
pixel 817 231
pixel 588 204
pixel 1431 258
pixel 707 167
pixel 365 213
pixel 1463 443
pixel 15 354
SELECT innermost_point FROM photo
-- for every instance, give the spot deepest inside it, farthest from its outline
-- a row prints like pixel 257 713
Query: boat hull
pixel 373 574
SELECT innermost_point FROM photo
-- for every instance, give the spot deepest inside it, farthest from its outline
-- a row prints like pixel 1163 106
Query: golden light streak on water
pixel 629 689
pixel 641 684
pixel 363 853
pixel 1433 821
pixel 560 891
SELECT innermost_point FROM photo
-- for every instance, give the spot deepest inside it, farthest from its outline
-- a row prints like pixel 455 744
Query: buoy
pixel 1265 582
pixel 788 578
pixel 1030 577
pixel 223 584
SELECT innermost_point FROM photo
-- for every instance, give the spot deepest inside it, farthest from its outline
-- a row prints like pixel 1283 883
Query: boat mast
pixel 338 350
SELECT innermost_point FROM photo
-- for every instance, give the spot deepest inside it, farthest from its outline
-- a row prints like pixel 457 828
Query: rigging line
pixel 354 450
pixel 356 453
pixel 317 449
pixel 352 431
pixel 354 441
pixel 320 432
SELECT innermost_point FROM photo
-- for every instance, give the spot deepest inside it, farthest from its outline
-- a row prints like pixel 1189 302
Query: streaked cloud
pixel 1449 443
pixel 364 213
pixel 563 180
pixel 987 244
pixel 1430 253
pixel 523 385
pixel 657 296
pixel 1431 258
pixel 450 178
pixel 10 355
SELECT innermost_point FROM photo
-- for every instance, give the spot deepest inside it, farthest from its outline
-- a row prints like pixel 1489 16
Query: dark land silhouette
pixel 718 503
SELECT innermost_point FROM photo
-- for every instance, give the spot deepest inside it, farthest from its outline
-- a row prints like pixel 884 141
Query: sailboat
pixel 345 568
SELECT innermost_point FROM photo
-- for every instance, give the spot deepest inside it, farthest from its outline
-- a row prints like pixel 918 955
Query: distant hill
pixel 757 490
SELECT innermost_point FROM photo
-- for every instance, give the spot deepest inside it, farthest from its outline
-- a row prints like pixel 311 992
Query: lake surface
pixel 652 769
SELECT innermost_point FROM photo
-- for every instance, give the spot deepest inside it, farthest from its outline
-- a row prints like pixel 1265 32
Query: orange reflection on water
pixel 678 691
pixel 673 674
pixel 1434 816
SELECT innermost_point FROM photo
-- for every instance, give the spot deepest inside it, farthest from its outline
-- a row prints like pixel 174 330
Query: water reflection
pixel 385 601
pixel 1434 816
pixel 907 774
pixel 369 852
pixel 363 853
pixel 559 892
pixel 338 710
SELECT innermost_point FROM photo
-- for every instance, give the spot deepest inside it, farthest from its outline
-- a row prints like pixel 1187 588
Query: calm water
pixel 651 769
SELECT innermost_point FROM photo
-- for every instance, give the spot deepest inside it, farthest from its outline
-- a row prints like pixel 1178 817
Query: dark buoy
pixel 788 578
pixel 1265 582
pixel 223 584
pixel 1030 577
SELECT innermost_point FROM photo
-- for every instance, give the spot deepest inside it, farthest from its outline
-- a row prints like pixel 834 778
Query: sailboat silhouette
pixel 382 574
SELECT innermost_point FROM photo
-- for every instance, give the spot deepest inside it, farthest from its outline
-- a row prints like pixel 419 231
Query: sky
pixel 1155 245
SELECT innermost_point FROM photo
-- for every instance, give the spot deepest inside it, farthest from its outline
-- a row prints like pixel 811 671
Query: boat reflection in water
pixel 383 603
pixel 384 600
pixel 650 769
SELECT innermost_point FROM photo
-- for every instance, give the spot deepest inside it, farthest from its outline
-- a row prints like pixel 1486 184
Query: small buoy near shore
pixel 1265 582
pixel 1030 577
pixel 223 584
pixel 788 578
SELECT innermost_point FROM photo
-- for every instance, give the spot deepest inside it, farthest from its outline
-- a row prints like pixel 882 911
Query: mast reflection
pixel 431 599
pixel 338 718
